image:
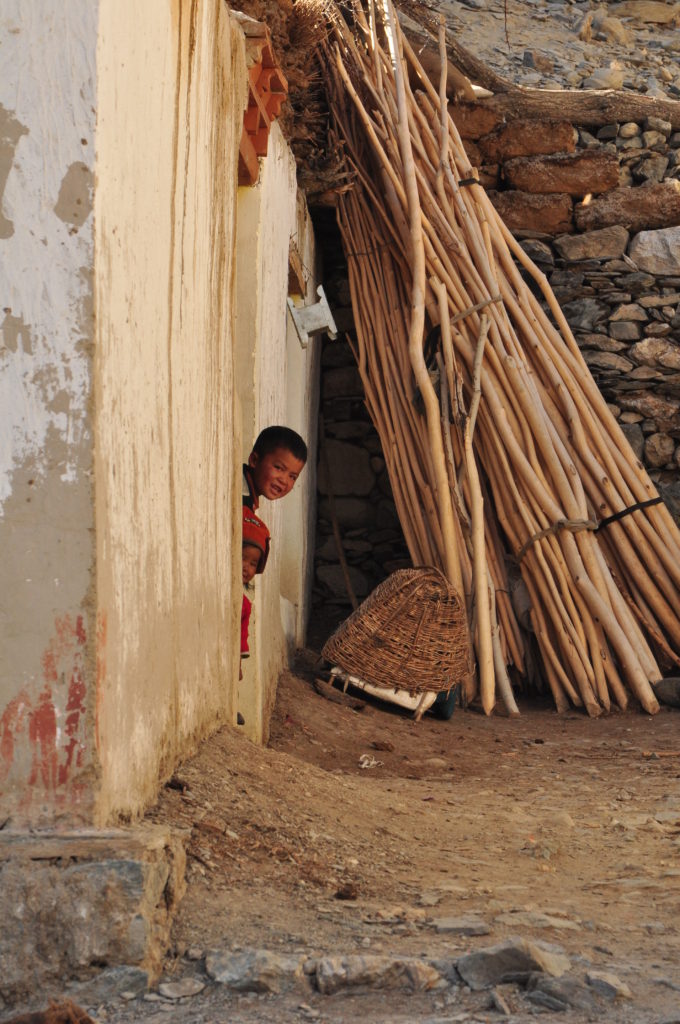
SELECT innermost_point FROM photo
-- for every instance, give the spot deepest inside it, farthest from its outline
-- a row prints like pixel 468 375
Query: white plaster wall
pixel 171 97
pixel 47 119
pixel 302 413
pixel 273 376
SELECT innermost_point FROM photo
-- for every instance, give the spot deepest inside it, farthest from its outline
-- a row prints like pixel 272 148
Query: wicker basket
pixel 411 632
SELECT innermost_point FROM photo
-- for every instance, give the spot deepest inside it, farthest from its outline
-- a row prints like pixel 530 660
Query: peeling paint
pixel 47 109
pixel 49 732
pixel 74 204
pixel 11 131
pixel 13 328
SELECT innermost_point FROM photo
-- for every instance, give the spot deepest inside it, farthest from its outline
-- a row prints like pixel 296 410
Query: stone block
pixel 585 314
pixel 488 967
pixel 342 382
pixel 659 450
pixel 569 991
pixel 461 925
pixel 657 252
pixel 602 342
pixel 349 467
pixel 473 120
pixel 256 970
pixel 656 352
pixel 576 174
pixel 625 330
pixel 608 132
pixel 351 513
pixel 528 138
pixel 337 353
pixel 665 412
pixel 651 168
pixel 74 902
pixel 608 985
pixel 635 438
pixel 653 139
pixel 629 311
pixel 525 211
pixel 539 252
pixel 659 124
pixel 636 209
pixel 658 329
pixel 607 361
pixel 336 973
pixel 328 550
pixel 636 283
pixel 333 578
pixel 603 244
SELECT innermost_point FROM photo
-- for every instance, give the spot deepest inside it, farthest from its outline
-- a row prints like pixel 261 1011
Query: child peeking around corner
pixel 254 559
pixel 276 461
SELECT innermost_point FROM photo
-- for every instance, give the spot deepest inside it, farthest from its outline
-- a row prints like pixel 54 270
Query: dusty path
pixel 563 830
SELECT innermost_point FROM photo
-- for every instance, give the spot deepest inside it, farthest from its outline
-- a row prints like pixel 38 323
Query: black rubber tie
pixel 626 512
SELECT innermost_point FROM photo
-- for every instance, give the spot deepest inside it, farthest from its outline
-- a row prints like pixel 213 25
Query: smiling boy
pixel 276 461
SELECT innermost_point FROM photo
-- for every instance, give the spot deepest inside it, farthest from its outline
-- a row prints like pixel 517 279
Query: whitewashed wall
pixel 277 384
pixel 171 101
pixel 121 432
pixel 47 121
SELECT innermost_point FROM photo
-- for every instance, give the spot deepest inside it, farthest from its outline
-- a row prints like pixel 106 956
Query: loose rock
pixel 488 967
pixel 605 243
pixel 657 252
pixel 461 925
pixel 334 973
pixel 608 985
pixel 181 989
pixel 256 971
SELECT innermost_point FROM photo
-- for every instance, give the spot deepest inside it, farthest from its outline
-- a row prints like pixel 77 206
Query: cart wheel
pixel 445 704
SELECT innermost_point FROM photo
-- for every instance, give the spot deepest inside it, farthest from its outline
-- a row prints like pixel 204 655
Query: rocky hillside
pixel 558 44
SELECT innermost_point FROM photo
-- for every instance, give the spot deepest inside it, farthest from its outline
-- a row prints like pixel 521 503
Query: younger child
pixel 276 461
pixel 253 560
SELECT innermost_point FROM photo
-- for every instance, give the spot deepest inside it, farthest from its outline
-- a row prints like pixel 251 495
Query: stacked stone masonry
pixel 598 211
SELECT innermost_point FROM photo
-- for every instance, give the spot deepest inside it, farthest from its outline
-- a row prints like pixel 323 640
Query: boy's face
pixel 250 561
pixel 274 474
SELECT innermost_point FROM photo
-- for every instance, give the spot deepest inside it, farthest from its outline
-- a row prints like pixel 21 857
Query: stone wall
pixel 361 493
pixel 598 210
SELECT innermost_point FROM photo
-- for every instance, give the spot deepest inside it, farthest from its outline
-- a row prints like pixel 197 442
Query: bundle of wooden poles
pixel 503 456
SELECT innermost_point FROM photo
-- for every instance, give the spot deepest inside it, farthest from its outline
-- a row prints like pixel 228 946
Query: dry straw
pixel 519 441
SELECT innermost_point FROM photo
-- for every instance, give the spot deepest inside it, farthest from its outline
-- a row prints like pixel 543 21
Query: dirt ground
pixel 561 829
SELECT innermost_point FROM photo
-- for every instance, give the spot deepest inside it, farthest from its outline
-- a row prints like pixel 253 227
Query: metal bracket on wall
pixel 312 319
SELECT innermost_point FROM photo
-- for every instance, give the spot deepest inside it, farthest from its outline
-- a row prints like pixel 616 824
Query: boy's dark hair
pixel 272 438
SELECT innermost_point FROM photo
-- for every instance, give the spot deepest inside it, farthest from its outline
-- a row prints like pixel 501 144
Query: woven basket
pixel 411 632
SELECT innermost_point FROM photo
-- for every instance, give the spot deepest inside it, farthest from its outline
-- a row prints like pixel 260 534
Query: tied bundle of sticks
pixel 517 460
